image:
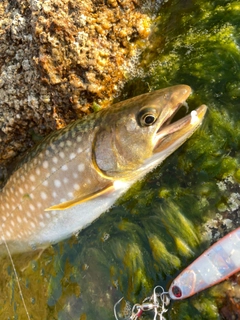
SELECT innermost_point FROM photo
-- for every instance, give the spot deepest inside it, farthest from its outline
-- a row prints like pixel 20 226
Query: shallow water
pixel 156 229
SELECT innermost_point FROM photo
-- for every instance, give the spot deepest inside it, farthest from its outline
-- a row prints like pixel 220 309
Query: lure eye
pixel 177 292
pixel 147 117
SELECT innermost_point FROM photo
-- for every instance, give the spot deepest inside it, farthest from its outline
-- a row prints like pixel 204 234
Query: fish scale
pixel 59 167
pixel 78 172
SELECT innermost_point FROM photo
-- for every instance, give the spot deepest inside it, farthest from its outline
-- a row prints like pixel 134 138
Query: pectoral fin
pixel 78 200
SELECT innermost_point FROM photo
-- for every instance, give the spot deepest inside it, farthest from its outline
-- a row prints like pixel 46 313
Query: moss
pixel 237 175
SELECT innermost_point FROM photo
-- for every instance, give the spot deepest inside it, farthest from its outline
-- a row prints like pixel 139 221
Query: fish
pixel 78 172
pixel 215 265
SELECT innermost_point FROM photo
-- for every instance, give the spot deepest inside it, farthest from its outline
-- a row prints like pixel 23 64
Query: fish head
pixel 137 134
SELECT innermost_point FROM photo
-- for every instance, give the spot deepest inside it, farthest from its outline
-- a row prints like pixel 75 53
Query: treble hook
pixel 157 302
pixel 165 300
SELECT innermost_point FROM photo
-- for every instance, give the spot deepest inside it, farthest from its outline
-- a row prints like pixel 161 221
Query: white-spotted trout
pixel 78 172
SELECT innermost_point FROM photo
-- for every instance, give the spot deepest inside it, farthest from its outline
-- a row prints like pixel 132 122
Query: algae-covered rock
pixel 167 220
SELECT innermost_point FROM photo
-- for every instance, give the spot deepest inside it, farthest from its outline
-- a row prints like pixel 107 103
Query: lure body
pixel 216 264
pixel 78 172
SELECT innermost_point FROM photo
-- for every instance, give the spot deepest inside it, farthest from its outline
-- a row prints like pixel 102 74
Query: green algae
pixel 154 231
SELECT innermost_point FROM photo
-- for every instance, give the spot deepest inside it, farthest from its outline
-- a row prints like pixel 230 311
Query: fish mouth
pixel 171 135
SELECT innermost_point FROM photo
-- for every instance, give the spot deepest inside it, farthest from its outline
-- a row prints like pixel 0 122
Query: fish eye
pixel 177 292
pixel 147 117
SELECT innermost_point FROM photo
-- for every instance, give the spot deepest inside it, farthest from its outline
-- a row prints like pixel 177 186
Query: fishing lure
pixel 215 265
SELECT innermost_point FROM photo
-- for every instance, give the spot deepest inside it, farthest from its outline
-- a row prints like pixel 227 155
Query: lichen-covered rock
pixel 57 57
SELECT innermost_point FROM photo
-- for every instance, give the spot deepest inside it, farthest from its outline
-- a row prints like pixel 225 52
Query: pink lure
pixel 216 264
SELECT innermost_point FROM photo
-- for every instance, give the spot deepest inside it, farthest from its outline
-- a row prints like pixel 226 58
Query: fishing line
pixel 17 278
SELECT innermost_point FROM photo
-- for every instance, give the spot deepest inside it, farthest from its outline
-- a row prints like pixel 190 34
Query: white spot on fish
pixel 45 164
pixel 62 155
pixel 43 195
pixel 45 183
pixel 72 156
pixel 65 180
pixel 32 178
pixel 31 206
pixel 54 194
pixel 55 160
pixel 81 167
pixel 79 150
pixel 47 153
pixel 17 194
pixel 76 186
pixel 75 175
pixel 42 224
pixel 64 167
pixel 57 183
pixel 32 224
pixel 19 219
pixel 39 205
